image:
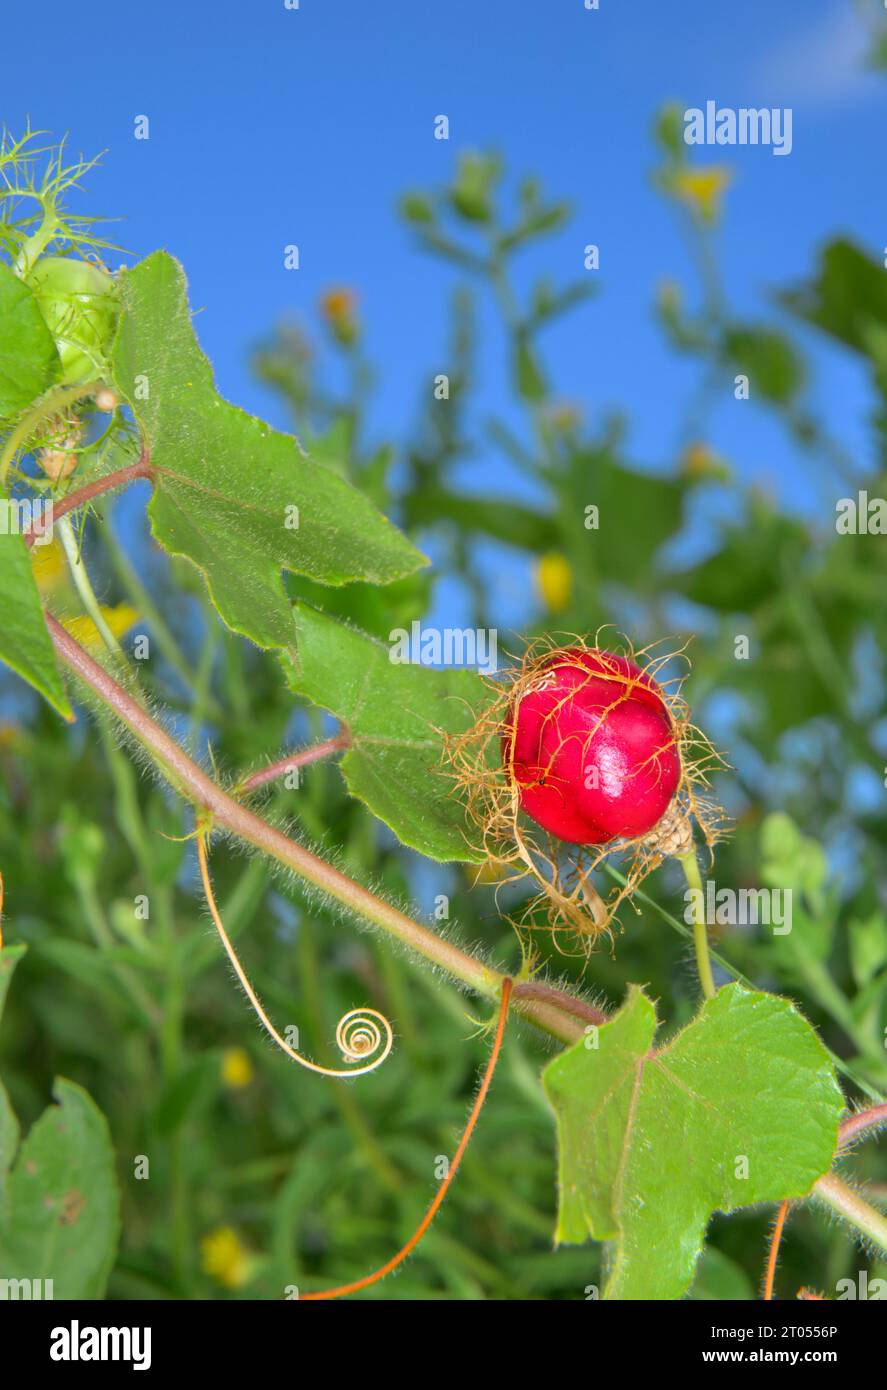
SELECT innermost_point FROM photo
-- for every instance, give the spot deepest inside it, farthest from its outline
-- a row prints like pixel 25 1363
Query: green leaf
pixel 740 576
pixel 652 1143
pixel 719 1278
pixel 528 379
pixel 847 298
pixel 59 1205
pixel 397 714
pixel 768 359
pixel 29 362
pixel 9 1130
pixel 792 860
pixel 233 496
pixel 505 521
pixel 868 947
pixel 651 505
pixel 25 643
pixel 416 207
pixel 60 1218
pixel 473 186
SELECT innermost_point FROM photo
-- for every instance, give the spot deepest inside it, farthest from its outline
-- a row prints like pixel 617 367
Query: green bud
pixel 78 300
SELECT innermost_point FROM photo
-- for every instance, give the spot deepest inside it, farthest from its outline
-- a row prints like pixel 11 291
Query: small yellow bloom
pixel 488 872
pixel 700 462
pixel 339 308
pixel 49 567
pixel 119 620
pixel 224 1256
pixel 564 415
pixel 237 1068
pixel 702 189
pixel 338 303
pixel 554 581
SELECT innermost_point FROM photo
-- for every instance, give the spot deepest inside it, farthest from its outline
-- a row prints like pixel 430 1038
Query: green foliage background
pixel 319 1181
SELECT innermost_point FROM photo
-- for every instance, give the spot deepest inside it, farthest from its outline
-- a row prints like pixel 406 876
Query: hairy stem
pixel 303 758
pixel 63 505
pixel 690 865
pixel 863 1122
pixel 556 1015
pixel 852 1208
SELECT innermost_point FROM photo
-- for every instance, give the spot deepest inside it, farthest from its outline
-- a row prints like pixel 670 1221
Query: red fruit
pixel 593 748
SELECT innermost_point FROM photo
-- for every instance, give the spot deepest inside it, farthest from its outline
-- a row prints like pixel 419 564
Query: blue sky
pixel 271 126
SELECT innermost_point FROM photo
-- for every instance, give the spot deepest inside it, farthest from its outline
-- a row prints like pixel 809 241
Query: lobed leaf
pixel 740 1107
pixel 59 1204
pixel 239 500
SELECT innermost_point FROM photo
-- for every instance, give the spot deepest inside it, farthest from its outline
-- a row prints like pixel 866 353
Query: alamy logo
pixel 744 125
pixel 449 646
pixel 76 1343
pixel 22 516
pixel 861 515
pixel 740 907
pixel 25 1289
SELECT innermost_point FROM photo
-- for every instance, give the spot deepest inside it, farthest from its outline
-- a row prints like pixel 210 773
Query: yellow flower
pixel 564 415
pixel 339 308
pixel 701 189
pixel 700 462
pixel 237 1068
pixel 224 1256
pixel 554 581
pixel 119 619
pixel 488 872
pixel 50 567
pixel 10 735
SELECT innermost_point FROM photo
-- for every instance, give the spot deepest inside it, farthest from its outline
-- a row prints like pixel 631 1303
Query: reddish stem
pixel 565 1003
pixel 108 483
pixel 303 758
pixel 857 1124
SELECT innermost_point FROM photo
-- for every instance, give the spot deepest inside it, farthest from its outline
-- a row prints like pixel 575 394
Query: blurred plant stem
pixel 852 1208
pixel 690 865
pixel 71 547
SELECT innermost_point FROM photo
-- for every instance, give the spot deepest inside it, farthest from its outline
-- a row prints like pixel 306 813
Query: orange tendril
pixel 398 1259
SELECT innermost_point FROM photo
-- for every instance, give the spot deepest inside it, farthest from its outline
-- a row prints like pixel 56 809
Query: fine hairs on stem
pixel 360 1033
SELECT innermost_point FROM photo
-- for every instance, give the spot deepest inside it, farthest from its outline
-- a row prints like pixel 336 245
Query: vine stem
pixel 690 865
pixel 862 1122
pixel 84 588
pixel 562 1015
pixel 303 758
pixel 61 506
pixel 852 1208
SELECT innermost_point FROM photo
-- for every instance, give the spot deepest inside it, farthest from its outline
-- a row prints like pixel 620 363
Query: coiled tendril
pixel 360 1032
